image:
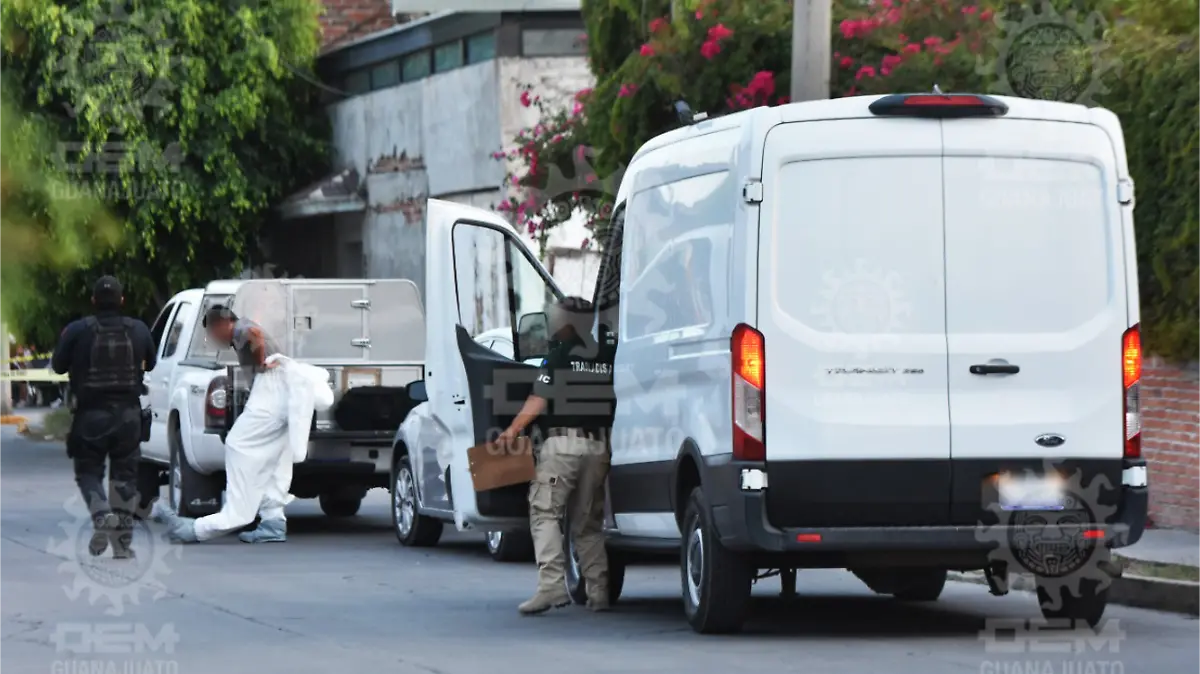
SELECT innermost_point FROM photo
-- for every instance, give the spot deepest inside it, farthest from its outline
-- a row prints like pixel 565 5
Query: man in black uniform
pixel 574 391
pixel 106 356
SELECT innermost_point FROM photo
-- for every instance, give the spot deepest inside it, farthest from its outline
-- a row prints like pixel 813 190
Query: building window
pixel 416 66
pixel 448 57
pixel 385 75
pixel 553 42
pixel 481 47
pixel 357 83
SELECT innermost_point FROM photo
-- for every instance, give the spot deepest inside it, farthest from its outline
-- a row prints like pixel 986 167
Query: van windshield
pixel 201 346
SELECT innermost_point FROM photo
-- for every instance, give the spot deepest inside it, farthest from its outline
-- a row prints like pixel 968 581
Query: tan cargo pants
pixel 571 473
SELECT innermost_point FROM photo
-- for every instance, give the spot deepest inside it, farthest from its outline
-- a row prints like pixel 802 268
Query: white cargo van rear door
pixel 851 306
pixel 1035 302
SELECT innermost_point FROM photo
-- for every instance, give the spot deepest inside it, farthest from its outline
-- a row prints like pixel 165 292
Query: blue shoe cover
pixel 268 531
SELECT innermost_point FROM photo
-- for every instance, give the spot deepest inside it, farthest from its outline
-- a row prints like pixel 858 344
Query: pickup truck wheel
pixel 185 485
pixel 577 584
pixel 716 582
pixel 510 546
pixel 412 528
pixel 339 506
pixel 149 483
pixel 920 584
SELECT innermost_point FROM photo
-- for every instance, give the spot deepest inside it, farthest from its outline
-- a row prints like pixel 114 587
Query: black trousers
pixel 109 433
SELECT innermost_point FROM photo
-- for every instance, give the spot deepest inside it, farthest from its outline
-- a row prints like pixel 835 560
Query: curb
pixel 1158 594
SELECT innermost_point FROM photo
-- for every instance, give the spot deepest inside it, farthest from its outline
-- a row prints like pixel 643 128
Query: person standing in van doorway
pixel 258 465
pixel 573 396
pixel 106 356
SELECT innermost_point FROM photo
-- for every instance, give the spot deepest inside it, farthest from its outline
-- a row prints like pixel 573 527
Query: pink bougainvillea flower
pixel 557 138
pixel 504 206
pixel 846 62
pixel 784 100
pixel 658 25
pixel 986 15
pixel 577 109
pixel 627 90
pixel 585 243
pixel 763 83
pixel 890 62
pixel 719 32
pixel 582 94
pixel 902 37
pixel 865 71
pixel 894 16
pixel 710 49
pixel 932 41
pixel 970 9
pixel 647 50
pixel 912 48
pixel 849 28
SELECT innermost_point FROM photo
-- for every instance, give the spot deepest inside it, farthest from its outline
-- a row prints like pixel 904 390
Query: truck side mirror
pixel 532 336
pixel 416 391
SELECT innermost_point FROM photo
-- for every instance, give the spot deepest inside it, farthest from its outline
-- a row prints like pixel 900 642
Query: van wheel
pixel 334 505
pixel 920 584
pixel 185 485
pixel 510 546
pixel 716 582
pixel 412 528
pixel 1088 606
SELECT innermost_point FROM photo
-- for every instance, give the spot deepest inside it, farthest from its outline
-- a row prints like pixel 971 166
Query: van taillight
pixel 215 402
pixel 1131 366
pixel 749 394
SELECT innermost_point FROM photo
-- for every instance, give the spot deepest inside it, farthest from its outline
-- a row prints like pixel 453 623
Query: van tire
pixel 510 546
pixel 1088 606
pixel 334 505
pixel 185 484
pixel 920 584
pixel 422 532
pixel 716 581
pixel 577 584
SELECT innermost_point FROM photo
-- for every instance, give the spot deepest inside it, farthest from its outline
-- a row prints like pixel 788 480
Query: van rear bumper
pixel 742 522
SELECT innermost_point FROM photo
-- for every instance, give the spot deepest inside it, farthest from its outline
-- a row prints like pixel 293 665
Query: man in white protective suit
pixel 263 443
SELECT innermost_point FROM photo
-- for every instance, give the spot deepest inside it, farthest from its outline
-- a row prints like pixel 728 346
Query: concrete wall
pixel 1171 442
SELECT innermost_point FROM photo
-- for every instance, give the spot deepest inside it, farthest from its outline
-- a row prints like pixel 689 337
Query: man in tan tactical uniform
pixel 574 392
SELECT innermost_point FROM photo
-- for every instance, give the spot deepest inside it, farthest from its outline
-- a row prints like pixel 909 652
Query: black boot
pixel 121 536
pixel 101 526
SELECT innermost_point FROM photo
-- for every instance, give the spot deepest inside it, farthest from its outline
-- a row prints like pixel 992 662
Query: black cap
pixel 107 290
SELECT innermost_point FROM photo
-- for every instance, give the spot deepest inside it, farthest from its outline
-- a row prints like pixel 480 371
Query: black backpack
pixel 115 368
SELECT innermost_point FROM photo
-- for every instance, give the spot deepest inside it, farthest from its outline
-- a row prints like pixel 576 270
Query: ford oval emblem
pixel 1050 440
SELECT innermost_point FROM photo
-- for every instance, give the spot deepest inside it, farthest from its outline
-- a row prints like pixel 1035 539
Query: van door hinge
pixel 1125 191
pixel 362 341
pixel 361 304
pixel 752 192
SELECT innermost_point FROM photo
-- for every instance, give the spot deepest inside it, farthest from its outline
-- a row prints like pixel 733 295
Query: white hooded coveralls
pixel 269 436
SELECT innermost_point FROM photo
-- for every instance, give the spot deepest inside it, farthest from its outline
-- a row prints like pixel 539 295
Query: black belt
pixel 564 431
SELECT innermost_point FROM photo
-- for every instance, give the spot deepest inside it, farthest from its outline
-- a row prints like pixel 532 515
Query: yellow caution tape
pixel 30 359
pixel 44 374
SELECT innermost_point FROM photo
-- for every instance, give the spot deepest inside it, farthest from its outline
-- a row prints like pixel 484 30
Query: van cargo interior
pixel 498 388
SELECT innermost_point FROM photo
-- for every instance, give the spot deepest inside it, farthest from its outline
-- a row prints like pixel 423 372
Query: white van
pixel 891 334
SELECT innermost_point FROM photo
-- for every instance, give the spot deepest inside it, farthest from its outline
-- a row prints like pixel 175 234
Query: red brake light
pixel 748 357
pixel 749 400
pixel 1131 368
pixel 938 105
pixel 1131 349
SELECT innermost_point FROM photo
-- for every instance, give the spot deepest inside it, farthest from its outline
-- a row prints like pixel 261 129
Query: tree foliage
pixel 188 119
pixel 724 55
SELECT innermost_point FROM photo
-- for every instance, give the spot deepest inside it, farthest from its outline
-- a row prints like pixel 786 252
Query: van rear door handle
pixel 995 369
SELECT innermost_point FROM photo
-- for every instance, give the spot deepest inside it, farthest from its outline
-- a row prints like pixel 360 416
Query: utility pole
pixel 5 385
pixel 812 22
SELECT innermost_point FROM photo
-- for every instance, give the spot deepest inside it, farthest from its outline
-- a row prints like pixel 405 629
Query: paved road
pixel 348 598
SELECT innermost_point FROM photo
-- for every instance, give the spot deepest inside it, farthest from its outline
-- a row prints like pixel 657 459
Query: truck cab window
pixel 176 332
pixel 160 324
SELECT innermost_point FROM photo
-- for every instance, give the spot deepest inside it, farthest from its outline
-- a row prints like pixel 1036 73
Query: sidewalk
pixel 1165 546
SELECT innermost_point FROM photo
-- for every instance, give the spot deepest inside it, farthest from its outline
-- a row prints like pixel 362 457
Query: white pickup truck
pixel 369 335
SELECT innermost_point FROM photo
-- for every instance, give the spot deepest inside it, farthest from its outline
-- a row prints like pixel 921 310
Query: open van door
pixel 480 277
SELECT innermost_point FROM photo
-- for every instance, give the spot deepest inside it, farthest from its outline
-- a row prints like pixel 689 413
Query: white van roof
pixel 857 107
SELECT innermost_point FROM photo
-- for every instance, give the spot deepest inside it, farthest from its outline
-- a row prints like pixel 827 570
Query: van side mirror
pixel 532 337
pixel 416 391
